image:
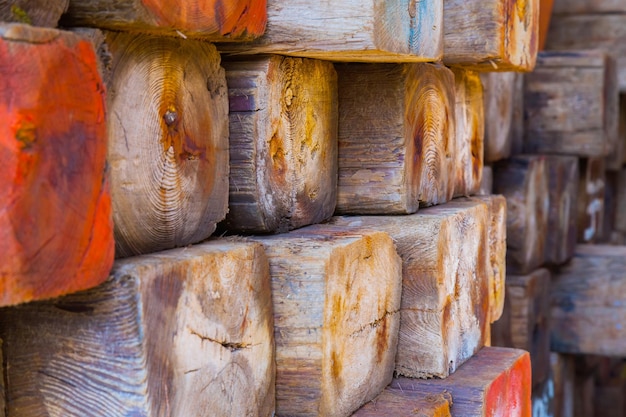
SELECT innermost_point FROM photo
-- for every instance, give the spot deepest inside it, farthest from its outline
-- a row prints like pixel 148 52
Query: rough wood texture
pixel 563 179
pixel 491 35
pixel 588 6
pixel 33 12
pixel 523 181
pixel 393 402
pixel 55 223
pixel 397 146
pixel 181 333
pixel 486 182
pixel 525 322
pixel 571 104
pixel 470 131
pixel 283 143
pixel 212 20
pixel 620 212
pixel 445 297
pixel 588 299
pixel 347 30
pixel 591 200
pixel 494 382
pixel 336 296
pixel 168 141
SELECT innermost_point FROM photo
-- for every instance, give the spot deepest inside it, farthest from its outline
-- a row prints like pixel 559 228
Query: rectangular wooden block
pixel 397 146
pixel 347 30
pixel 571 104
pixel 591 190
pixel 444 317
pixel 491 35
pixel 283 143
pixel 33 12
pixel 393 402
pixel 589 302
pixel 181 333
pixel 525 322
pixel 336 296
pixel 494 382
pixel 56 233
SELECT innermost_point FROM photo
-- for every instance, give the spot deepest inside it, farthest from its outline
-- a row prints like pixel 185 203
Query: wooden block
pixel 491 35
pixel 336 298
pixel 346 30
pixel 584 393
pixel 33 12
pixel 588 302
pixel 168 141
pixel 500 107
pixel 55 222
pixel 396 137
pixel 445 298
pixel 494 382
pixel 212 20
pixel 283 143
pixel 620 212
pixel 563 179
pixel 563 375
pixel 523 181
pixel 525 322
pixel 591 200
pixel 615 160
pixel 486 182
pixel 180 333
pixel 571 104
pixel 470 131
pixel 562 7
pixel 393 402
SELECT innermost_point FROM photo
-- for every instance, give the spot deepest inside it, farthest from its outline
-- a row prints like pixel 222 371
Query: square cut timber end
pixel 182 332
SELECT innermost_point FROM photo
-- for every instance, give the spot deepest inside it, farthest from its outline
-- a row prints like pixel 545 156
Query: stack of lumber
pixel 295 198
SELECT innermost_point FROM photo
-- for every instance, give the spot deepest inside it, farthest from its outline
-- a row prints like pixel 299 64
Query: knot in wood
pixel 170 117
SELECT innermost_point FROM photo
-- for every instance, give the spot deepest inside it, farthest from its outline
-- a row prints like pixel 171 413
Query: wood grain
pixel 397 144
pixel 168 141
pixel 392 402
pixel 55 221
pixel 179 333
pixel 336 296
pixel 44 13
pixel 283 143
pixel 591 200
pixel 577 7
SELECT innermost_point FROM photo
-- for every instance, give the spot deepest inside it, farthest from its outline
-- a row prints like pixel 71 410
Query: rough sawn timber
pixel 393 402
pixel 33 12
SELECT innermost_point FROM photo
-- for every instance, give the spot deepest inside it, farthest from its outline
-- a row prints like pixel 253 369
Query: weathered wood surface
pixel 212 20
pixel 486 182
pixel 543 399
pixel 491 35
pixel 591 200
pixel 571 103
pixel 584 394
pixel 33 12
pixel 347 30
pixel 563 375
pixel 562 7
pixel 168 141
pixel 444 317
pixel 525 322
pixel 588 302
pixel 470 131
pixel 563 179
pixel 620 211
pixel 610 206
pixel 283 143
pixel 522 179
pixel 181 333
pixel 616 159
pixel 55 222
pixel 494 382
pixel 336 296
pixel 606 31
pixel 397 146
pixel 393 402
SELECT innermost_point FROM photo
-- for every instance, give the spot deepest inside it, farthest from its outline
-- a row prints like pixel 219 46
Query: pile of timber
pixel 297 199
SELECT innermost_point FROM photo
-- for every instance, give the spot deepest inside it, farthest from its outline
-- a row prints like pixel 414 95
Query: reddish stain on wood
pixel 509 394
pixel 56 231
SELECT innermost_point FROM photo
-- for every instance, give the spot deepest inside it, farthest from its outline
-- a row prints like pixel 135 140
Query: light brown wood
pixel 588 6
pixel 33 12
pixel 470 131
pixel 180 333
pixel 563 179
pixel 336 296
pixel 523 181
pixel 491 35
pixel 397 146
pixel 445 288
pixel 525 322
pixel 588 302
pixel 393 402
pixel 571 103
pixel 486 182
pixel 283 143
pixel 353 31
pixel 494 382
pixel 591 200
pixel 168 141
